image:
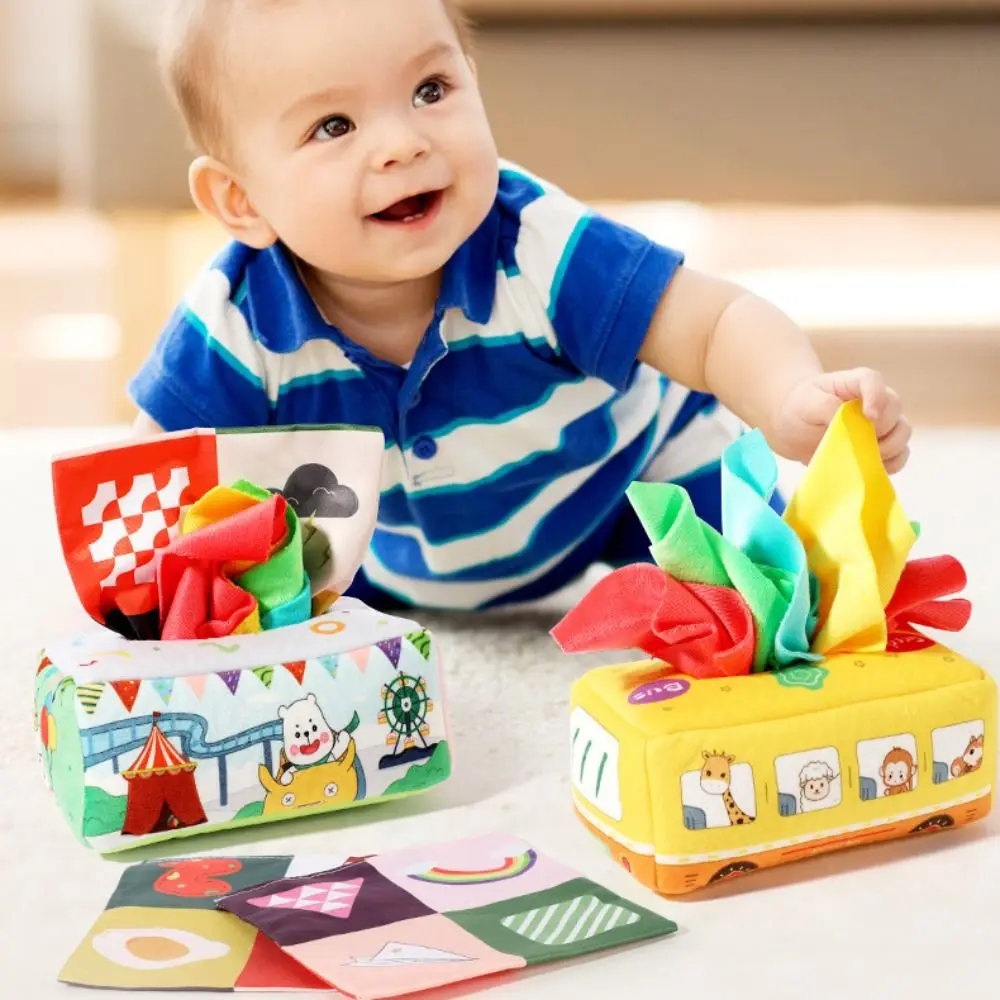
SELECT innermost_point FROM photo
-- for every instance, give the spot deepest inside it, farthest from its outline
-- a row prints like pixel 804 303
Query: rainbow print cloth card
pixel 367 927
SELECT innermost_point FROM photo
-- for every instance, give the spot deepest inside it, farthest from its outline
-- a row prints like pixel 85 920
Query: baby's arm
pixel 614 297
pixel 714 336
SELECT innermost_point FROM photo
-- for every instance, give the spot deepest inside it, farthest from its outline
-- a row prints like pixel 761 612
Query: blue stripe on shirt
pixel 227 358
pixel 570 521
pixel 478 388
pixel 510 488
pixel 187 356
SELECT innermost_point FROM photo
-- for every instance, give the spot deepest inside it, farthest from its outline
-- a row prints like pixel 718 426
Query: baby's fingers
pixel 866 385
pixel 894 446
pixel 891 416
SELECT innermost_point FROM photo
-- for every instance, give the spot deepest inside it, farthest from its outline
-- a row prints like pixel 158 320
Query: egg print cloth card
pixel 161 931
pixel 368 926
pixel 431 917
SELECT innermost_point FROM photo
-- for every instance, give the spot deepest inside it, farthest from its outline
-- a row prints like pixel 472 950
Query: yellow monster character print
pixel 326 784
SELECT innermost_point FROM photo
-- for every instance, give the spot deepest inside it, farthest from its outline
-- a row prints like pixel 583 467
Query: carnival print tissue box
pixel 143 742
pixel 228 681
pixel 791 702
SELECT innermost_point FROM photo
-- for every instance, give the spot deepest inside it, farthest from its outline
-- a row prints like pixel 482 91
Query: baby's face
pixel 359 133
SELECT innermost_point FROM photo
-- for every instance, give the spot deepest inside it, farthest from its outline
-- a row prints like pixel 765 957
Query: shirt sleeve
pixel 206 369
pixel 602 282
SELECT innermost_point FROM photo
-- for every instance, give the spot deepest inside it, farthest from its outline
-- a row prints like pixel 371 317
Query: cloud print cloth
pixel 117 506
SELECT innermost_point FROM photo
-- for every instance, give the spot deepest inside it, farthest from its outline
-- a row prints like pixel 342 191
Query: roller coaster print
pixel 117 739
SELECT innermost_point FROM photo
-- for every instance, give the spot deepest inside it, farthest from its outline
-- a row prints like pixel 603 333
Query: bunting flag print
pixel 392 649
pixel 421 642
pixel 265 675
pixel 330 664
pixel 164 687
pixel 127 691
pixel 360 657
pixel 89 695
pixel 197 685
pixel 231 678
pixel 297 670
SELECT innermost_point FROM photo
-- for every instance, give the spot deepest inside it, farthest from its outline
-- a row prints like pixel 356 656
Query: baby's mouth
pixel 308 748
pixel 411 209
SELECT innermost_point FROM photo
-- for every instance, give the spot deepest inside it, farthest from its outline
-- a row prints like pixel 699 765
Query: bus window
pixel 808 781
pixel 721 793
pixel 958 750
pixel 595 764
pixel 888 766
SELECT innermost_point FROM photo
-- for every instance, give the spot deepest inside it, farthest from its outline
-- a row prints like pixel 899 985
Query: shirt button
pixel 425 448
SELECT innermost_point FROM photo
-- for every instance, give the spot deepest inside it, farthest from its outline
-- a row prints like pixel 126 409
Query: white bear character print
pixel 308 737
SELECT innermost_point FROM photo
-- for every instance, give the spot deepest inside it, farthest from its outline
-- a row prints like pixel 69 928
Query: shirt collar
pixel 469 281
pixel 284 316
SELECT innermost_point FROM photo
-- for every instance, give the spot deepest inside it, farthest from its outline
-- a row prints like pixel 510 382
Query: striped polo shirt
pixel 516 429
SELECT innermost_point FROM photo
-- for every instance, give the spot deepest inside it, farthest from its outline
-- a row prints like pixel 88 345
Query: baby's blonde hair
pixel 192 48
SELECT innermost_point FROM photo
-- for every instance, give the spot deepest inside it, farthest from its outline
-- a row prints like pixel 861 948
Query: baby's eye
pixel 429 92
pixel 333 127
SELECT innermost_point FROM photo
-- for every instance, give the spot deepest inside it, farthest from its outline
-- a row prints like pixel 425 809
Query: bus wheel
pixel 734 870
pixel 941 822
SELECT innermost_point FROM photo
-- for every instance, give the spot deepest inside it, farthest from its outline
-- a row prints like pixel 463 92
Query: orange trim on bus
pixel 678 880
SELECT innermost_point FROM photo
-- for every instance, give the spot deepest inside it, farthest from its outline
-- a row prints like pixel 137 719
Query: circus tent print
pixel 162 793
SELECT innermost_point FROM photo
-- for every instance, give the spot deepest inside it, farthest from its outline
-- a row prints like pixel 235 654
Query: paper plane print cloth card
pixel 368 927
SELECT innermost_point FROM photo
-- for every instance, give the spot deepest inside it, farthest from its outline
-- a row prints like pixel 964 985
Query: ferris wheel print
pixel 405 707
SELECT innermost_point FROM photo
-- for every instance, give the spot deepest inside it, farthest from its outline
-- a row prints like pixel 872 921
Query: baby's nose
pixel 399 145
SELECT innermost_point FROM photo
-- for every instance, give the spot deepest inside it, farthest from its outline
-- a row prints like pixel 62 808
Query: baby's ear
pixel 219 193
pixel 282 712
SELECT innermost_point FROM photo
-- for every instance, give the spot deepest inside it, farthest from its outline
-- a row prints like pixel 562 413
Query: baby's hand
pixel 809 408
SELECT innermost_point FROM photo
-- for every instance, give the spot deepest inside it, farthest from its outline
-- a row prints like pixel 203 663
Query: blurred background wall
pixel 840 156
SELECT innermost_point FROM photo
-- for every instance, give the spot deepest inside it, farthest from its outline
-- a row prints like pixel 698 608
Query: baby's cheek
pixel 324 739
pixel 293 750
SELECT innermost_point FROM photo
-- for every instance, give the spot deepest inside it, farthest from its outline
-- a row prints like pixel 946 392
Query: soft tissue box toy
pixel 792 706
pixel 230 683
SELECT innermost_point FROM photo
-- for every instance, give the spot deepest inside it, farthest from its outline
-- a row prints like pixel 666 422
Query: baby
pixel 526 358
